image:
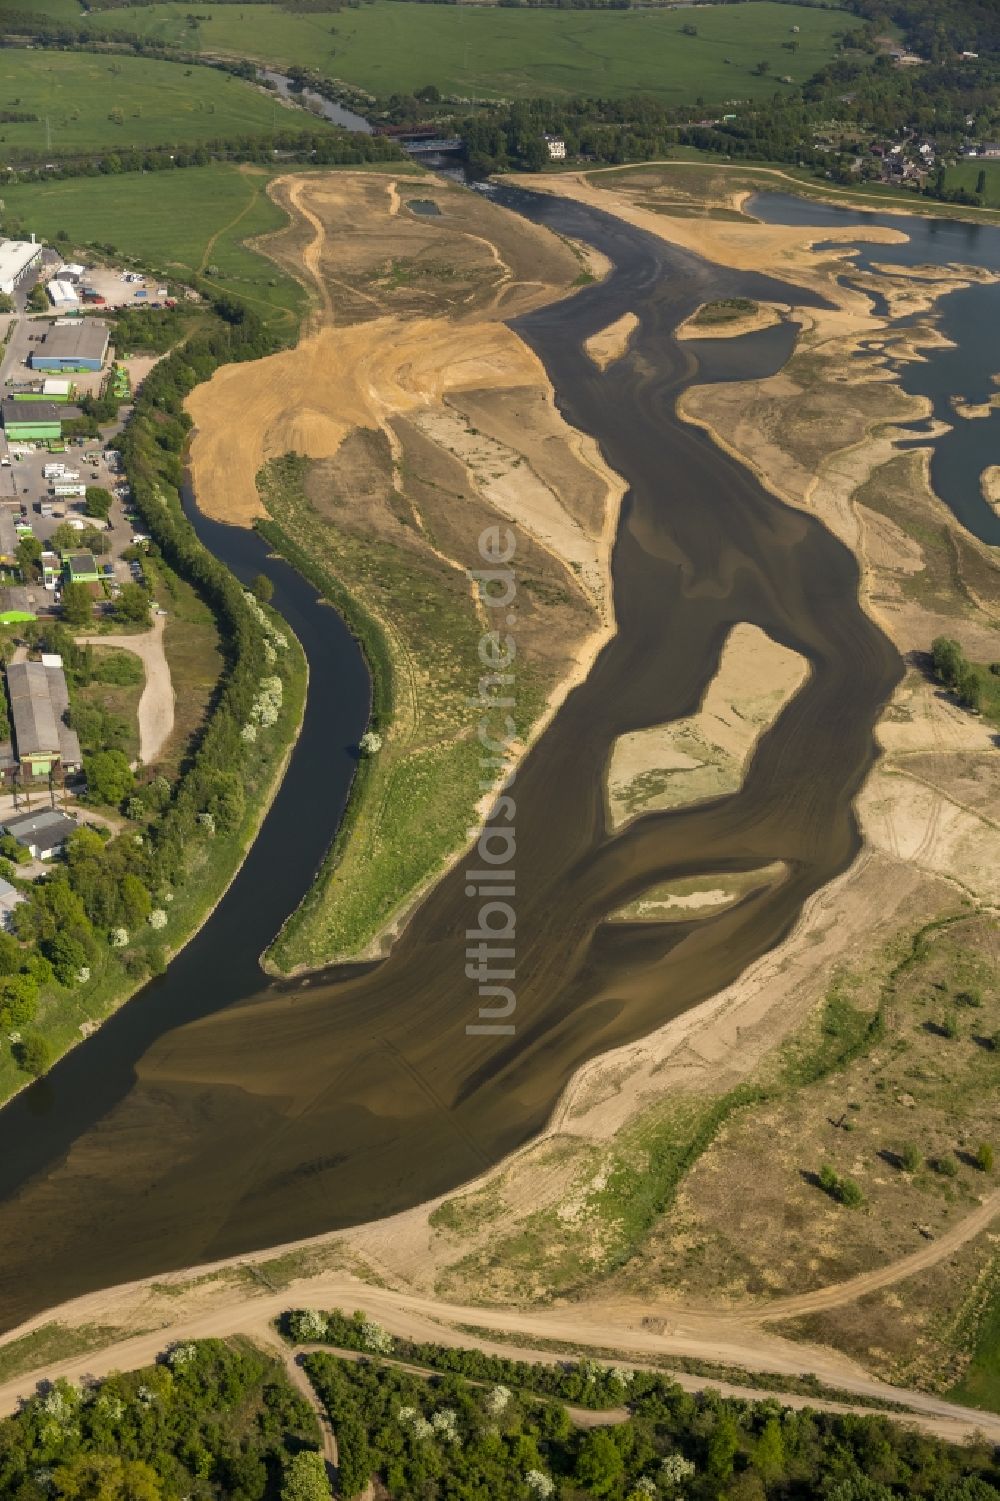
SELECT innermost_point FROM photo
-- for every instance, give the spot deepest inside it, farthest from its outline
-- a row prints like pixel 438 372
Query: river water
pixel 217 1114
pixel 969 318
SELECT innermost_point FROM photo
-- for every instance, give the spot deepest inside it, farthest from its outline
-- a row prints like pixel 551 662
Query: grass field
pixel 483 51
pixel 966 175
pixel 88 102
pixel 699 177
pixel 191 220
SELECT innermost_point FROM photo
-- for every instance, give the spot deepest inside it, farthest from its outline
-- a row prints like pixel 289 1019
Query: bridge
pixel 424 147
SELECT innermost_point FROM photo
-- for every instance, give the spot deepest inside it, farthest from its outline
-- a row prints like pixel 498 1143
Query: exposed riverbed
pixel 216 1114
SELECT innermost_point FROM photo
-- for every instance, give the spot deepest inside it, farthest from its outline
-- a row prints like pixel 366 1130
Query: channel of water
pixel 217 1113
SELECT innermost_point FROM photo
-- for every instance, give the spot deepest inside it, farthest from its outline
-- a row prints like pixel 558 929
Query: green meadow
pixel 86 101
pixel 390 47
pixel 193 221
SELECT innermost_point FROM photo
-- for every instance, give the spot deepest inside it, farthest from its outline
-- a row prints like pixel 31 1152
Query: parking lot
pixel 94 466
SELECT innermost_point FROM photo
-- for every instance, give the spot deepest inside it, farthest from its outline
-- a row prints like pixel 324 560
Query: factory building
pixel 17 259
pixel 35 421
pixel 62 294
pixel 39 700
pixel 72 344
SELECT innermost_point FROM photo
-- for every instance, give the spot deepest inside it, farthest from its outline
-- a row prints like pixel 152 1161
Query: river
pixel 217 1114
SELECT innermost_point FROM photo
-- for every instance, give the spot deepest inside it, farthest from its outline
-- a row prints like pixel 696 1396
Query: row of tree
pixel 318 147
pixel 447 1435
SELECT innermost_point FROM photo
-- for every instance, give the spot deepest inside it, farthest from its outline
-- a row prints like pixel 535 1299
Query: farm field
pixel 389 47
pixel 190 220
pixel 87 102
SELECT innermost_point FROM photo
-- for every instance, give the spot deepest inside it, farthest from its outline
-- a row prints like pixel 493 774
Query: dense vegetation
pixel 106 915
pixel 212 1420
pixel 467 1434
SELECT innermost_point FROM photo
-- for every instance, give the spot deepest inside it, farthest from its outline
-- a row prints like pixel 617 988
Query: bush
pixel 910 1158
pixel 132 605
pixel 109 777
pixel 984 1157
pixel 842 1190
pixel 97 502
pixel 32 1054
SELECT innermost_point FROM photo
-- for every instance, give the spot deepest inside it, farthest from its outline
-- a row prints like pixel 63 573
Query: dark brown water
pixel 215 1114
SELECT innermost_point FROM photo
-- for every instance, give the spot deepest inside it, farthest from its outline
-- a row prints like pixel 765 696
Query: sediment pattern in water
pixel 217 1114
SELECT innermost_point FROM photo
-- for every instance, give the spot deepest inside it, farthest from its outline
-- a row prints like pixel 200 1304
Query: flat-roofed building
pixel 39 699
pixel 81 568
pixel 72 344
pixel 17 259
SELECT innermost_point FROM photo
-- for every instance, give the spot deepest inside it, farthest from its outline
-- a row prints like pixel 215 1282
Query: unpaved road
pixel 929 1255
pixel 708 1337
pixel 156 706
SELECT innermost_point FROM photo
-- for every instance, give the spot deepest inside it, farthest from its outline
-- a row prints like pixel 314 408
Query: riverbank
pixel 441 424
pixel 822 436
pixel 72 1018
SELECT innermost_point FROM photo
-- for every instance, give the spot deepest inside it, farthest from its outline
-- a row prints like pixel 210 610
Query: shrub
pixel 910 1158
pixel 32 1054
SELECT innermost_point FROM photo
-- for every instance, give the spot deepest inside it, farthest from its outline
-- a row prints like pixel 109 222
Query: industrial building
pixel 81 568
pixel 62 294
pixel 72 344
pixel 17 259
pixel 16 604
pixel 43 833
pixel 35 421
pixel 39 700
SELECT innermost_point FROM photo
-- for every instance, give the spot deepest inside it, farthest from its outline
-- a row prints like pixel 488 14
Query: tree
pixel 262 588
pixel 109 777
pixel 599 1465
pixel 762 67
pixel 106 1477
pixel 6 302
pixel 984 1157
pixel 970 693
pixel 136 900
pixel 38 299
pixel 305 1478
pixel 29 554
pixel 32 1054
pixel 948 660
pixel 981 183
pixel 77 606
pixel 910 1158
pixel 132 605
pixel 769 1453
pixel 97 502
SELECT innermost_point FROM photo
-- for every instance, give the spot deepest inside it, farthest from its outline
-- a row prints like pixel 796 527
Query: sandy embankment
pixel 917 844
pixel 706 754
pixel 609 344
pixel 926 843
pixel 765 315
pixel 408 340
pixel 991 486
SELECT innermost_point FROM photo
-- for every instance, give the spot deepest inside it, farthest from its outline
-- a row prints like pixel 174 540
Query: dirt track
pixel 156 706
pixel 713 1338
